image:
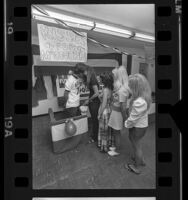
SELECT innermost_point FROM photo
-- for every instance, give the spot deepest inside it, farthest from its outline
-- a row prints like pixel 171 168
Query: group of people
pixel 124 102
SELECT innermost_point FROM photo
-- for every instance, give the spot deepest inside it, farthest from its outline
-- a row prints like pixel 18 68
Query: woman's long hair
pixel 107 80
pixel 120 77
pixel 140 87
pixel 79 70
pixel 90 73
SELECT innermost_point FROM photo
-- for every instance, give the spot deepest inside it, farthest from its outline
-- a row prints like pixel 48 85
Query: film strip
pixel 18 114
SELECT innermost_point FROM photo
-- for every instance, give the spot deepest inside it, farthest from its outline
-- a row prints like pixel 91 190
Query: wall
pixel 151 70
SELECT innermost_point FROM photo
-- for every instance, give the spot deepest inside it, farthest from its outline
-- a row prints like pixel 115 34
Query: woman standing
pixel 118 106
pixel 137 122
pixel 104 112
pixel 93 102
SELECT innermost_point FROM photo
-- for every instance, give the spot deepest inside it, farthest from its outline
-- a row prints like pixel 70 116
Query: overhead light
pixel 36 12
pixel 143 37
pixel 71 24
pixel 70 21
pixel 73 20
pixel 43 18
pixel 103 28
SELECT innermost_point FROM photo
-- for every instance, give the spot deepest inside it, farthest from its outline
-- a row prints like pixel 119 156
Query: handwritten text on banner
pixel 61 45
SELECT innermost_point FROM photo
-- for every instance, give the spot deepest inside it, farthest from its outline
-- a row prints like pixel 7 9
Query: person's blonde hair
pixel 140 87
pixel 120 77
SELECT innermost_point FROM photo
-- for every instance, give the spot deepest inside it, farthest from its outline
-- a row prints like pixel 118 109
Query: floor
pixel 85 167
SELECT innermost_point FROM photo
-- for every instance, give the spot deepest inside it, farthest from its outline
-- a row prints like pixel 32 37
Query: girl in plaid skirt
pixel 118 107
pixel 104 136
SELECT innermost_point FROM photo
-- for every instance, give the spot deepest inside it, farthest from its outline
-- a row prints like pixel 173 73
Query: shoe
pixel 132 168
pixel 112 148
pixel 91 141
pixel 113 153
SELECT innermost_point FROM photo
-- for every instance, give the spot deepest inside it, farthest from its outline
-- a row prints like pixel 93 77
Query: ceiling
pixel 139 17
pixel 133 16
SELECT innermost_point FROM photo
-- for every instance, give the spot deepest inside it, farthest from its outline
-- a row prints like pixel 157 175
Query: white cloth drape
pixel 48 86
pixel 33 76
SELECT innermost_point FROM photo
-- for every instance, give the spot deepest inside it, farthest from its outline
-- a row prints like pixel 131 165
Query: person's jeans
pixel 93 109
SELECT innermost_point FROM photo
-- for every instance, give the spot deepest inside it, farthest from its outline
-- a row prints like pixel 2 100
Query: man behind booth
pixel 72 91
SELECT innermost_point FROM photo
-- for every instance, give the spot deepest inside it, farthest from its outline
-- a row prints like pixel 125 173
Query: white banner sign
pixel 61 45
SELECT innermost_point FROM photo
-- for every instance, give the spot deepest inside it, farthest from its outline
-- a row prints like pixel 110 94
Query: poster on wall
pixel 60 84
pixel 60 45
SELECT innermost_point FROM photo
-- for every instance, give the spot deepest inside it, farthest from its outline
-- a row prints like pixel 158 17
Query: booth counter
pixel 61 141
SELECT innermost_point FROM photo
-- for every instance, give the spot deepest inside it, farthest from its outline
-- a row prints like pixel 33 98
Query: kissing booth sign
pixel 61 45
